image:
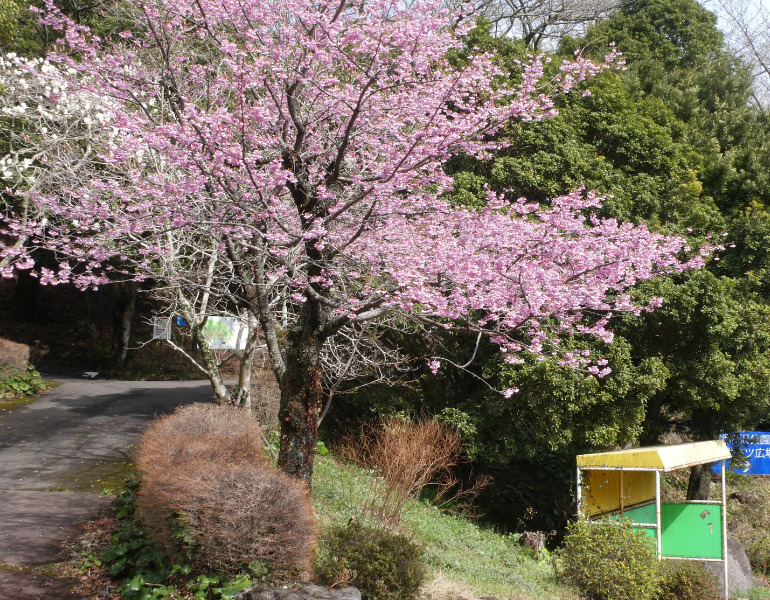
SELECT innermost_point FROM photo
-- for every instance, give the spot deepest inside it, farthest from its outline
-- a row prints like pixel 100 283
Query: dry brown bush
pixel 204 468
pixel 13 356
pixel 407 456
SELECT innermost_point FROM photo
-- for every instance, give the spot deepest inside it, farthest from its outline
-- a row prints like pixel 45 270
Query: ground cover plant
pixel 15 383
pixel 463 558
pixel 116 558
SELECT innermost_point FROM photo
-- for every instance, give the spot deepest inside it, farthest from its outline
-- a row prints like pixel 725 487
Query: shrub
pixel 610 561
pixel 382 564
pixel 211 497
pixel 407 456
pixel 20 382
pixel 687 580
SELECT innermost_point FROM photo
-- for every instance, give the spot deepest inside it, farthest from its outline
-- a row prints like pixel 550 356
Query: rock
pixel 739 576
pixel 535 540
pixel 747 497
pixel 306 591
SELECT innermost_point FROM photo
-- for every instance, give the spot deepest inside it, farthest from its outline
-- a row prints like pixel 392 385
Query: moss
pixel 13 403
pixel 102 477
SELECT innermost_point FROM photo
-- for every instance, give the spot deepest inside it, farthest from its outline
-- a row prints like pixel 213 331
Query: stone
pixel 534 540
pixel 739 576
pixel 747 497
pixel 306 591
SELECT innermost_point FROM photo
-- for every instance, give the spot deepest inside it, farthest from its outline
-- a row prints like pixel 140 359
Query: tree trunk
pixel 301 400
pixel 242 396
pixel 24 298
pixel 700 482
pixel 124 302
pixel 209 362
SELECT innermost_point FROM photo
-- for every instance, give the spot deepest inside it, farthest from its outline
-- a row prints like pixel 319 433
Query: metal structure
pixel 625 484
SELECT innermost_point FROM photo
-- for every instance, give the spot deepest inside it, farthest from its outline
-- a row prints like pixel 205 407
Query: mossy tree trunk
pixel 301 401
pixel 700 482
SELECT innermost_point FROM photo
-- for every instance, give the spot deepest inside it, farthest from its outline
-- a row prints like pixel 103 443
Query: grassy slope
pixel 459 552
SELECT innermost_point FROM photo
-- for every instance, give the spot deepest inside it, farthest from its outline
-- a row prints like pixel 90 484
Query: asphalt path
pixel 57 454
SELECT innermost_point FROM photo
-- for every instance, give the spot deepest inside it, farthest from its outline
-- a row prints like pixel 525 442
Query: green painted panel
pixel 640 514
pixel 691 530
pixel 651 533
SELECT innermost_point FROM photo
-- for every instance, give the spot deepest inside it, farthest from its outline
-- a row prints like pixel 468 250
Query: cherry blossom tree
pixel 304 143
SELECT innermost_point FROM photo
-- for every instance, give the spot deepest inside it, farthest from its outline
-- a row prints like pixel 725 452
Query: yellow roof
pixel 658 458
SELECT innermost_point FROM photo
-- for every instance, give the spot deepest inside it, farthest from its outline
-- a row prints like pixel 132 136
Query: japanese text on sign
pixel 756 449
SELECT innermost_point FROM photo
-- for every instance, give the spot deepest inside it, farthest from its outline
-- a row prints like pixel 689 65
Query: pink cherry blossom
pixel 295 150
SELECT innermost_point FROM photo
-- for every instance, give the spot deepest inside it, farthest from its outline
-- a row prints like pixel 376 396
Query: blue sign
pixel 180 322
pixel 756 447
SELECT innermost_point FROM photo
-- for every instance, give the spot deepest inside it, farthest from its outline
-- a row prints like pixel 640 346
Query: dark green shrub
pixel 687 580
pixel 382 564
pixel 610 561
pixel 20 382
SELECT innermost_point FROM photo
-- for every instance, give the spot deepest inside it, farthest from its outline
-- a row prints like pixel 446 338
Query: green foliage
pixel 610 561
pixel 132 556
pixel 382 564
pixel 675 33
pixel 714 340
pixel 674 143
pixel 207 587
pixel 687 580
pixel 758 593
pixel 21 383
pixel 635 147
pixel 748 258
pixel 21 32
pixel 557 410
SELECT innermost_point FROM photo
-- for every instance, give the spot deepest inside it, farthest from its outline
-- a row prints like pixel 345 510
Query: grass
pixel 465 559
pixel 481 562
pixel 461 554
pixel 756 594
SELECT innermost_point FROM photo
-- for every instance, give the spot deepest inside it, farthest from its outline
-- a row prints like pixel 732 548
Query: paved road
pixel 71 435
pixel 56 454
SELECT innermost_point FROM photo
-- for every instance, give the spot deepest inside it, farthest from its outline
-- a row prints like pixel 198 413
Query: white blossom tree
pixel 746 24
pixel 541 23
